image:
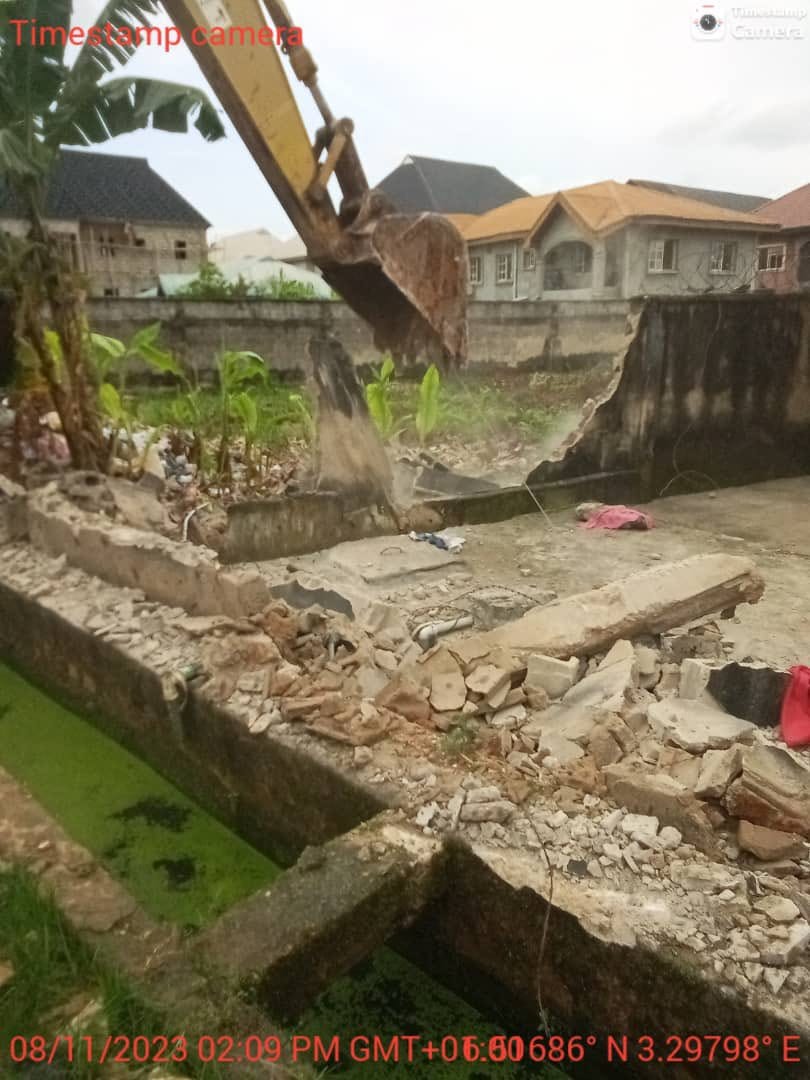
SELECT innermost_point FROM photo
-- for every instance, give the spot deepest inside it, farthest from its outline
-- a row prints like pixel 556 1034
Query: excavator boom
pixel 405 275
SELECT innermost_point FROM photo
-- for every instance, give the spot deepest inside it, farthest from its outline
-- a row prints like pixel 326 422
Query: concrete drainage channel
pixel 285 772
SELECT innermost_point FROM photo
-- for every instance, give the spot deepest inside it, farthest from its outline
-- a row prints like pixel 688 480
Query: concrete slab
pixel 391 559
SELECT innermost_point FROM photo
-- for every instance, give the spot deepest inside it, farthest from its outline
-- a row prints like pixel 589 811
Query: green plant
pixel 460 739
pixel 212 284
pixel 111 354
pixel 302 412
pixel 378 397
pixel 235 371
pixel 427 410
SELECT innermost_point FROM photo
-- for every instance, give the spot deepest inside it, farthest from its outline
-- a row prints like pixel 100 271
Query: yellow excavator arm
pixel 404 274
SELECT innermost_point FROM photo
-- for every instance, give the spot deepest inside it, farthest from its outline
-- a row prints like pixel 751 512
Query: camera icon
pixel 708 23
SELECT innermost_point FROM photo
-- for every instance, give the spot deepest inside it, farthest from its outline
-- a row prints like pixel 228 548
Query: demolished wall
pixel 711 391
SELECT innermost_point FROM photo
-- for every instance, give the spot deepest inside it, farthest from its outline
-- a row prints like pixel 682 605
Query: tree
pixel 45 105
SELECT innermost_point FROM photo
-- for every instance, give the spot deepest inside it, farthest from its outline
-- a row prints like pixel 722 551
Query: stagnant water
pixel 184 866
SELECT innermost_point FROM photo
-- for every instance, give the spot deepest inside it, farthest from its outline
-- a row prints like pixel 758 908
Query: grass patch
pixel 55 974
pixel 460 739
pixel 280 417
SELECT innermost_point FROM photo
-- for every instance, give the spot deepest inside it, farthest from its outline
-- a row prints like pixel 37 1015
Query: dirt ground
pixel 768 522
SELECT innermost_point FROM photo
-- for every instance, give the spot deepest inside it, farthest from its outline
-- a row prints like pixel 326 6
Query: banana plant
pixel 378 398
pixel 236 370
pixel 427 411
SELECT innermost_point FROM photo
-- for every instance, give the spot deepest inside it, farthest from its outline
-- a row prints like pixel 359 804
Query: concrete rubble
pixel 586 732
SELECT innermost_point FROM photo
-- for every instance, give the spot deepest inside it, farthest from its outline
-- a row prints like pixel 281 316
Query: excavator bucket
pixel 408 279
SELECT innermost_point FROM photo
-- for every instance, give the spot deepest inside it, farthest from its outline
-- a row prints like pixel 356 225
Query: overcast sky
pixel 553 95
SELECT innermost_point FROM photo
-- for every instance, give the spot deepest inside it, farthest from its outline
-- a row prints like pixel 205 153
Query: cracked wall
pixel 711 391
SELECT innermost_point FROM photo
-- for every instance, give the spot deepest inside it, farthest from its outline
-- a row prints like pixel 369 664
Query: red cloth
pixel 795 716
pixel 619 517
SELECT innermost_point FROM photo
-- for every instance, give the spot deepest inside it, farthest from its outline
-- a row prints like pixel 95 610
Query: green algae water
pixel 177 861
pixel 184 866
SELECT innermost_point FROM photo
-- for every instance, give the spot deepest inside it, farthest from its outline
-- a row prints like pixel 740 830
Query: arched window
pixel 568 266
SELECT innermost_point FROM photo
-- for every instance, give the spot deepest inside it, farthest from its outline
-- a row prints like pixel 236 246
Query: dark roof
pixel 109 187
pixel 447 187
pixel 729 200
pixel 792 211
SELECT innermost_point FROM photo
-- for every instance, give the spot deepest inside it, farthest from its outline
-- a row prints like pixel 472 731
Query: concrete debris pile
pixel 282 666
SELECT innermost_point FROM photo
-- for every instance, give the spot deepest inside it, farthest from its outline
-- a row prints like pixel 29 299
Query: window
pixel 476 276
pixel 581 257
pixel 140 242
pixel 663 258
pixel 529 259
pixel 180 249
pixel 771 257
pixel 112 292
pixel 503 268
pixel 724 257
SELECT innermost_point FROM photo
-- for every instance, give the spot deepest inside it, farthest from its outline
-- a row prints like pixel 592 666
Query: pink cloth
pixel 795 717
pixel 618 517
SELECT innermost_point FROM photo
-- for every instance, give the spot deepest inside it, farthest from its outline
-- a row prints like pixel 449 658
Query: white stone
pixel 697 727
pixel 694 678
pixel 640 825
pixel 718 768
pixel 783 953
pixel 775 979
pixel 483 794
pixel 670 838
pixel 561 749
pixel 778 909
pixel 425 814
pixel 552 675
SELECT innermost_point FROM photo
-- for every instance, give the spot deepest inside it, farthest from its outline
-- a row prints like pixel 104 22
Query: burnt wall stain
pixel 708 394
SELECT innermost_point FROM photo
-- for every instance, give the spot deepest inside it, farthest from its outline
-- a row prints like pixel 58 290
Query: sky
pixel 552 95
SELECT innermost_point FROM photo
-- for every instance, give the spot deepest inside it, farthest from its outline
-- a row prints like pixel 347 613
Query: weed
pixel 49 962
pixel 460 739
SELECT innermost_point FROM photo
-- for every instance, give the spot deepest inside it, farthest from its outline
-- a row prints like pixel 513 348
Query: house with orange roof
pixel 783 257
pixel 610 241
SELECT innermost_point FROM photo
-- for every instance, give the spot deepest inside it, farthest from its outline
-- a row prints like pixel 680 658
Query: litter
pixel 618 517
pixel 795 715
pixel 446 541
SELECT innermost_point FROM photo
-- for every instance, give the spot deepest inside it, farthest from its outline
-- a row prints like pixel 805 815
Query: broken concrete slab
pixel 550 674
pixel 697 727
pixel 385 560
pixel 337 905
pixel 779 909
pixel 773 790
pixel 646 603
pixel 783 952
pixel 769 844
pixel 487 679
pixel 664 798
pixel 718 769
pixel 608 688
pixel 557 746
pixel 448 691
pixel 694 679
pixel 405 698
pixel 493 606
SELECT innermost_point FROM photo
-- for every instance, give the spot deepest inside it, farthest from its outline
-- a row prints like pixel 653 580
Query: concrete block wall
pixel 535 335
